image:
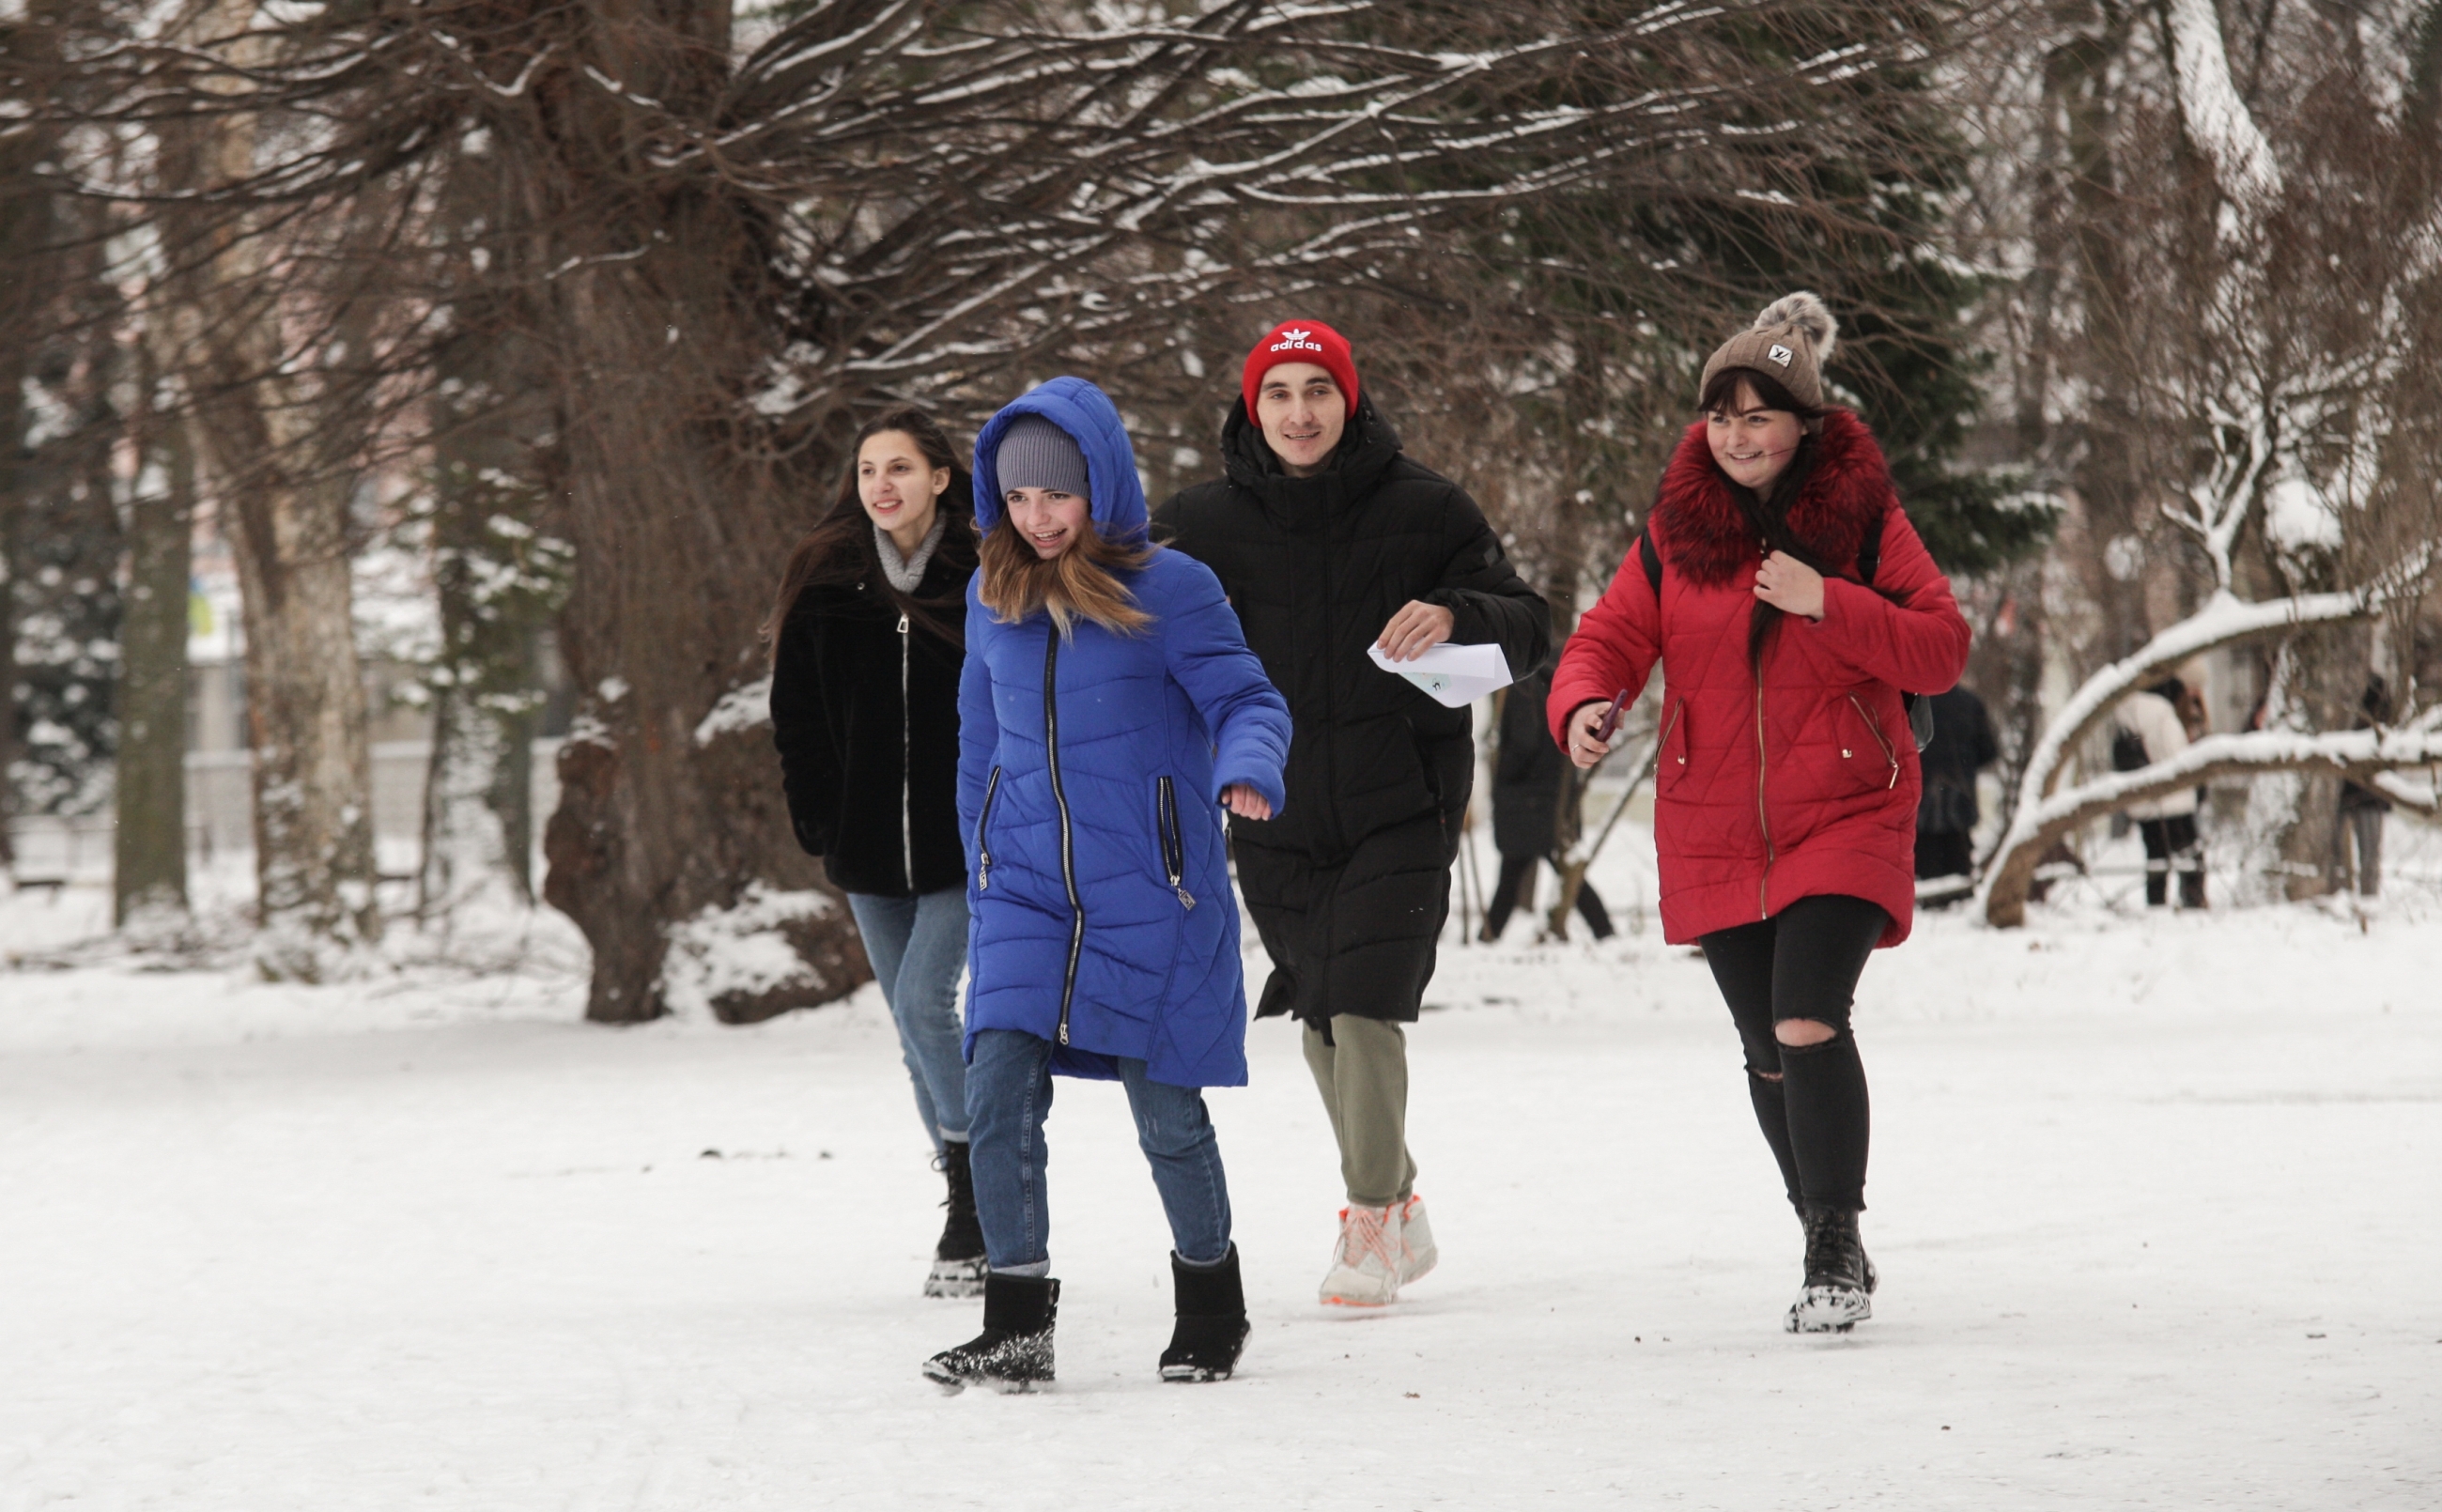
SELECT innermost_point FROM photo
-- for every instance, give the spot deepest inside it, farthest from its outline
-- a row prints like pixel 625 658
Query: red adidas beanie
pixel 1299 341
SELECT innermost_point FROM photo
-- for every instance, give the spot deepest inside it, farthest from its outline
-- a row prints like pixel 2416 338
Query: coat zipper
pixel 1174 846
pixel 983 834
pixel 1763 819
pixel 1067 843
pixel 1877 730
pixel 906 754
pixel 1669 725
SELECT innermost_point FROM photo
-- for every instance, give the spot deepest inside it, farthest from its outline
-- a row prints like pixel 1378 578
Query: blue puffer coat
pixel 1091 770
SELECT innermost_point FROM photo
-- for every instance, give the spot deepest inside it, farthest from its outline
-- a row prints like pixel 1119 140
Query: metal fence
pixel 55 849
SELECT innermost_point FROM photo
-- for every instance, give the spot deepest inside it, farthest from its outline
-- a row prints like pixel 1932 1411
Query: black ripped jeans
pixel 1809 1100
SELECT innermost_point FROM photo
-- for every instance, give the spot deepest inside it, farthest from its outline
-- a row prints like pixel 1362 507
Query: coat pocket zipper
pixel 983 834
pixel 1173 844
pixel 1876 730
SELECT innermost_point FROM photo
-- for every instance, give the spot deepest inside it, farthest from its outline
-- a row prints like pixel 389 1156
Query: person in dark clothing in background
pixel 1961 746
pixel 1332 543
pixel 2362 809
pixel 1528 780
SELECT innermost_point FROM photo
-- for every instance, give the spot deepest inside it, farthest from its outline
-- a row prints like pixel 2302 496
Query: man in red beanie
pixel 1330 541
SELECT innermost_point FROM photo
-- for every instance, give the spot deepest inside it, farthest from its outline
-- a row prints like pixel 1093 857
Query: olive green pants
pixel 1362 1074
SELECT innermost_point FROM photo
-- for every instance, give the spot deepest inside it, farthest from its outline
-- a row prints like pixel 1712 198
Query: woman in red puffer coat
pixel 1787 785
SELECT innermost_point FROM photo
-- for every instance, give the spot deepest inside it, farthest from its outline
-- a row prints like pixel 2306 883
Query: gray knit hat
pixel 1788 342
pixel 1036 453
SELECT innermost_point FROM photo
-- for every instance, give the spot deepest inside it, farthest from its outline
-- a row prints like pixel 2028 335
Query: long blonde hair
pixel 1077 584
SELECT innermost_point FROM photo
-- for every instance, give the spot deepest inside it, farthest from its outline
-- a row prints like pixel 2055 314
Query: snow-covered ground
pixel 2154 1202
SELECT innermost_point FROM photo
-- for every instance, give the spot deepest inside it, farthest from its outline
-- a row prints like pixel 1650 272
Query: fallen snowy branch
pixel 2366 756
pixel 2224 621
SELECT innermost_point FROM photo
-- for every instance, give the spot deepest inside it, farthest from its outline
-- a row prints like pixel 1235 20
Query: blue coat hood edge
pixel 1077 407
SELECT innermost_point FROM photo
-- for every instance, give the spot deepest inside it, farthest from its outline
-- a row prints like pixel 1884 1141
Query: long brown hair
pixel 1077 584
pixel 839 550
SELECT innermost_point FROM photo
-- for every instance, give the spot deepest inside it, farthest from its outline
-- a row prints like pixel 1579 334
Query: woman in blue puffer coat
pixel 1108 710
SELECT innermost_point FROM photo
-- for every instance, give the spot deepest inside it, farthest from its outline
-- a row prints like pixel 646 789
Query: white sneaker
pixel 1365 1264
pixel 1417 1252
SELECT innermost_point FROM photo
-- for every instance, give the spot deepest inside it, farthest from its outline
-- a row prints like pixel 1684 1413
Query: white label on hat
pixel 1297 341
pixel 1780 354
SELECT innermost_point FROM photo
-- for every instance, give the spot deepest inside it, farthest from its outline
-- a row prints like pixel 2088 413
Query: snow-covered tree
pixel 726 233
pixel 2295 290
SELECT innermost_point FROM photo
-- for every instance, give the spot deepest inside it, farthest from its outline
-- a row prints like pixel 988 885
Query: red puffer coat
pixel 1799 777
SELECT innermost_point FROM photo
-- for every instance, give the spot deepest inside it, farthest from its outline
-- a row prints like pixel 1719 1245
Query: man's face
pixel 1303 413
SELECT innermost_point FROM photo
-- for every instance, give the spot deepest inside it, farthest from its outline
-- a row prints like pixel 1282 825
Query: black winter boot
pixel 1839 1277
pixel 959 1259
pixel 1014 1352
pixel 1212 1327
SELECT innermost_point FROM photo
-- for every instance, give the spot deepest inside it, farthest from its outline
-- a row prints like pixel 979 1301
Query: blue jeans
pixel 1008 1095
pixel 918 947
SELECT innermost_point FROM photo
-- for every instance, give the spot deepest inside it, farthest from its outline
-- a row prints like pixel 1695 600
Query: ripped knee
pixel 1773 1077
pixel 1798 1033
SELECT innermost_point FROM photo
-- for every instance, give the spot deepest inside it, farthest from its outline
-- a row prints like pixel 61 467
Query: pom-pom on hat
pixel 1788 342
pixel 1299 341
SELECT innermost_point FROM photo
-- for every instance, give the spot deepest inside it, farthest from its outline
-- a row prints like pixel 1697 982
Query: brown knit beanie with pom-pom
pixel 1788 342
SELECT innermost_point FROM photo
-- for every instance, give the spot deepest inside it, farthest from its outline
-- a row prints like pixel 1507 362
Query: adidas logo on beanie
pixel 1299 341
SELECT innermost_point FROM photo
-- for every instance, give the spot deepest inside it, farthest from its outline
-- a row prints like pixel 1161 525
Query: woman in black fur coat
pixel 869 643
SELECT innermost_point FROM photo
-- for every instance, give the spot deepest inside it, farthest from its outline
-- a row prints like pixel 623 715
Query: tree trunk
pixel 281 449
pixel 477 811
pixel 671 849
pixel 2107 475
pixel 305 712
pixel 511 799
pixel 286 518
pixel 149 874
pixel 2329 675
pixel 662 836
pixel 10 555
pixel 25 233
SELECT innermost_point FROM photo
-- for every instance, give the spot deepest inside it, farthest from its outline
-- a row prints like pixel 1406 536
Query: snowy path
pixel 2154 1209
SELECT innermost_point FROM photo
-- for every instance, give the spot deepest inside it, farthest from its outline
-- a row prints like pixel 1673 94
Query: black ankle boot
pixel 1014 1352
pixel 959 1259
pixel 1839 1277
pixel 1212 1327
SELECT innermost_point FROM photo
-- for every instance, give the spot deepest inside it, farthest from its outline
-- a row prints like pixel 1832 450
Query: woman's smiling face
pixel 1047 518
pixel 897 486
pixel 1750 444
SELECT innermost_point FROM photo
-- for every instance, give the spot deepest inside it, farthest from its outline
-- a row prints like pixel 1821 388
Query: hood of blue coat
pixel 1093 422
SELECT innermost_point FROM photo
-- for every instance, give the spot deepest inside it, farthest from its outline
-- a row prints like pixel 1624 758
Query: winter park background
pixel 431 1076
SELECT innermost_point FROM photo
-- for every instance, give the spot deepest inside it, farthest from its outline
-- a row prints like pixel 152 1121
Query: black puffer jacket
pixel 1961 746
pixel 1316 567
pixel 1526 773
pixel 872 778
pixel 1350 884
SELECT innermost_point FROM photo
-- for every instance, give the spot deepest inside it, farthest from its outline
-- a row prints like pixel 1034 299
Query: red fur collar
pixel 1705 536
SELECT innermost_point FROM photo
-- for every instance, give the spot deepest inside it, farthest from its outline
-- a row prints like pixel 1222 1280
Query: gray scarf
pixel 904 575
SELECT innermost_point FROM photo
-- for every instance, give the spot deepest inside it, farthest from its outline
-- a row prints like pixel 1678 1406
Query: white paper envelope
pixel 1454 676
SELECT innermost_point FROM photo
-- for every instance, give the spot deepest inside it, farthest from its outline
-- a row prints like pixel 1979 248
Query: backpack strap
pixel 1651 558
pixel 1869 550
